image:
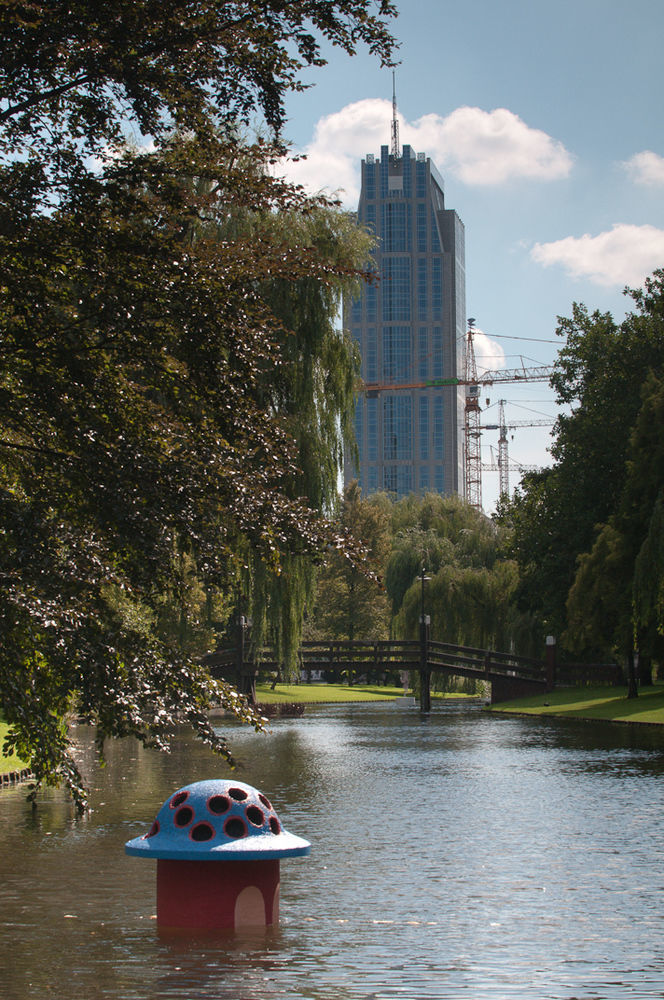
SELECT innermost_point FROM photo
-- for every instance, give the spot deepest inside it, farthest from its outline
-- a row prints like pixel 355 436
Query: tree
pixel 469 596
pixel 600 373
pixel 137 434
pixel 349 603
pixel 615 602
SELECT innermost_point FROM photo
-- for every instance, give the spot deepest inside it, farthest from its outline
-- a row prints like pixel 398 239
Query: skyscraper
pixel 410 327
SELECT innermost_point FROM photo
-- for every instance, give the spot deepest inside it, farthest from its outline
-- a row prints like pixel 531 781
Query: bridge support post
pixel 246 683
pixel 425 673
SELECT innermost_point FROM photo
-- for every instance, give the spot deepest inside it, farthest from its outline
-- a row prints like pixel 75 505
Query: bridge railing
pixel 335 656
pixel 470 661
pixel 339 655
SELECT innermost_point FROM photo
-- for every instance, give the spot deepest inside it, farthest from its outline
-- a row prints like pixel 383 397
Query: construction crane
pixel 474 384
pixel 472 431
pixel 503 465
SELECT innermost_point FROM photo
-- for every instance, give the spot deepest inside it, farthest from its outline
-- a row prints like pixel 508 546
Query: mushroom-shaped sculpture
pixel 229 823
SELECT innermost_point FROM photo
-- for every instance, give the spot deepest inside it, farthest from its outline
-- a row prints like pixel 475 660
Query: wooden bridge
pixel 510 676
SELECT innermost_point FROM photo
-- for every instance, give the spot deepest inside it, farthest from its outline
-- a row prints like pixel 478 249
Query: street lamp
pixel 425 579
pixel 425 677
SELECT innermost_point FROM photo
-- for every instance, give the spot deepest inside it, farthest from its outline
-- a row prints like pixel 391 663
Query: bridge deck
pixel 508 674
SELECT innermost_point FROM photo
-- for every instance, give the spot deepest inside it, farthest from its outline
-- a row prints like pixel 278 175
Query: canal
pixel 459 855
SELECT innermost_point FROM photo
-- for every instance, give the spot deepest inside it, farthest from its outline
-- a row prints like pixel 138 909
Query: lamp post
pixel 425 673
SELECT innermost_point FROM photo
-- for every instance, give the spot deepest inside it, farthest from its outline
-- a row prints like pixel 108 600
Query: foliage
pixel 74 75
pixel 145 459
pixel 616 598
pixel 469 594
pixel 431 532
pixel 601 373
pixel 349 603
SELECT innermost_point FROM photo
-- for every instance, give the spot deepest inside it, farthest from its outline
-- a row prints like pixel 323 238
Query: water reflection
pixel 459 855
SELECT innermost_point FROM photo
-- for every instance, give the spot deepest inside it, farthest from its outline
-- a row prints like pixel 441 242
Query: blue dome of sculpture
pixel 217 820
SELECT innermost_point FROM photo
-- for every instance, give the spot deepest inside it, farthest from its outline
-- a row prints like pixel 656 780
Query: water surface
pixel 459 855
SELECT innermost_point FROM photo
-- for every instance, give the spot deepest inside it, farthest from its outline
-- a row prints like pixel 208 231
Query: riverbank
pixel 320 694
pixel 608 704
pixel 332 694
pixel 13 764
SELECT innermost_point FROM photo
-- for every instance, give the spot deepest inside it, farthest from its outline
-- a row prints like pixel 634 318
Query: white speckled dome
pixel 217 820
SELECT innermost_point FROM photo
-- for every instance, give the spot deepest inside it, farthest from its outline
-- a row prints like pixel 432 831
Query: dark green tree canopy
pixel 605 476
pixel 73 74
pixel 166 351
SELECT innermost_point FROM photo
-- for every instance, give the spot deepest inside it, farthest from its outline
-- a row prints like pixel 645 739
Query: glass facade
pixel 410 326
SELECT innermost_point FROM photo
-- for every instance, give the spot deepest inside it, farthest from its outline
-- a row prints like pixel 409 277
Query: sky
pixel 545 121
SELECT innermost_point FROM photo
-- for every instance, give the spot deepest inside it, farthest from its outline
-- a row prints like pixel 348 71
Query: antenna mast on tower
pixel 394 146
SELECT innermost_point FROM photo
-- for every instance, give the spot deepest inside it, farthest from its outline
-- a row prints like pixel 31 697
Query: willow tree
pixel 351 603
pixel 470 593
pixel 433 531
pixel 136 418
pixel 312 390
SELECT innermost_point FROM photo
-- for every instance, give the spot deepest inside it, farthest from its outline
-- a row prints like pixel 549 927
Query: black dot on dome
pixel 219 804
pixel 255 815
pixel 202 832
pixel 178 799
pixel 184 816
pixel 238 794
pixel 275 825
pixel 154 830
pixel 235 828
pixel 264 799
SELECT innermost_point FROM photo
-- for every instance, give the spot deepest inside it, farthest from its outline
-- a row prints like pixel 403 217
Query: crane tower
pixel 472 430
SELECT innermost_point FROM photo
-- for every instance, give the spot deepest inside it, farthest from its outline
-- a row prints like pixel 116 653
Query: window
pixel 370 360
pixel 370 179
pixel 396 354
pixel 421 222
pixel 437 352
pixel 395 217
pixel 423 352
pixel 435 240
pixel 404 480
pixel 424 428
pixel 438 439
pixel 422 304
pixel 390 478
pixel 371 298
pixel 437 289
pixel 397 437
pixel 372 430
pixel 395 286
pixel 407 164
pixel 421 179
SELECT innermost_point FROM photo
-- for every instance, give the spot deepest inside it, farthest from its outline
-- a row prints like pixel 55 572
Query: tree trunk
pixel 632 689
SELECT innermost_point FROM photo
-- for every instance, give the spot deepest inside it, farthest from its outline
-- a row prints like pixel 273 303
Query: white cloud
pixel 489 356
pixel 646 168
pixel 625 255
pixel 491 147
pixel 478 147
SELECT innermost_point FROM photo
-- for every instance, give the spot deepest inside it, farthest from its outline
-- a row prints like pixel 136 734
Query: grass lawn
pixel 607 703
pixel 310 694
pixel 12 763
